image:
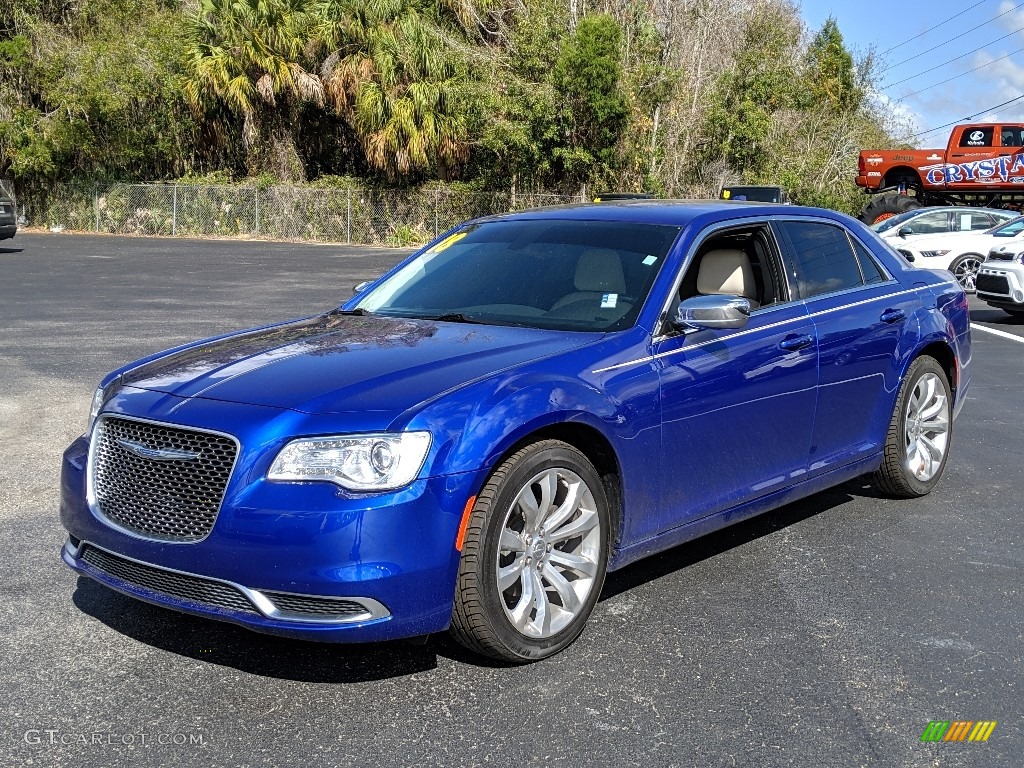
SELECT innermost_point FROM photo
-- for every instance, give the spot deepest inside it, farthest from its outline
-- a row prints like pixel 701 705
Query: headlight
pixel 377 462
pixel 99 399
pixel 933 254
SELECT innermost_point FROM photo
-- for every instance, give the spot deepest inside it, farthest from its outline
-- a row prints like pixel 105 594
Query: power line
pixel 931 29
pixel 957 37
pixel 955 58
pixel 969 117
pixel 957 77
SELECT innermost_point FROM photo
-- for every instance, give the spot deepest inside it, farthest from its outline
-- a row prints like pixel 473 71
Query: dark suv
pixel 8 219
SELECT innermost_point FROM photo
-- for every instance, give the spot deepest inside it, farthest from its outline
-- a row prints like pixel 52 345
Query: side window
pixel 1012 136
pixel 980 136
pixel 825 259
pixel 930 223
pixel 974 222
pixel 872 272
pixel 743 261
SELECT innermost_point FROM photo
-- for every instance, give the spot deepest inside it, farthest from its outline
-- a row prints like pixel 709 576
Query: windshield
pixel 558 274
pixel 1009 229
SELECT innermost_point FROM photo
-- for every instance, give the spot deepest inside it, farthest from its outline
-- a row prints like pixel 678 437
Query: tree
pixel 830 79
pixel 587 75
pixel 251 56
pixel 761 82
pixel 395 73
pixel 92 90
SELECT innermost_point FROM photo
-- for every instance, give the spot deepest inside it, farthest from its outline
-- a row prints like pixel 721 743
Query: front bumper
pixel 288 544
pixel 1001 284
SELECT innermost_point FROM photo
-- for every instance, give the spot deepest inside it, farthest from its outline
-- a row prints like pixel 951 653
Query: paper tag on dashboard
pixel 609 300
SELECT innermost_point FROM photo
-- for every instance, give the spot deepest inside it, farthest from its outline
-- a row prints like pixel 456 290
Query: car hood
pixel 338 363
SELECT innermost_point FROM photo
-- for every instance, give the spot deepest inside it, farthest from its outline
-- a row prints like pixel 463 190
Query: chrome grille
pixel 181 585
pixel 992 284
pixel 169 499
pixel 315 607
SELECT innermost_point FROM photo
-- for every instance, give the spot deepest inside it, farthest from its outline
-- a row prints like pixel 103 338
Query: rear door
pixel 859 313
pixel 1010 160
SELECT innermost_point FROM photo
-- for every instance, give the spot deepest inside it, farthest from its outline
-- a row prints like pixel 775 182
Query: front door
pixel 965 165
pixel 737 405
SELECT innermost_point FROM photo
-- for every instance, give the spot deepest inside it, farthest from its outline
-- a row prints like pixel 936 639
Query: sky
pixel 920 44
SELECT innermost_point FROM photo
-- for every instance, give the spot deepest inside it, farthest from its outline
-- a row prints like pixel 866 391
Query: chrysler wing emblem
pixel 157 454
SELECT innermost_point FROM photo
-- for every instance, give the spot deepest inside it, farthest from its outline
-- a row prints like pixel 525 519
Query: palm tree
pixel 248 55
pixel 397 75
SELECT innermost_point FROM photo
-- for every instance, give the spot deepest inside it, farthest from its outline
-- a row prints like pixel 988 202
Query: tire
pixel 882 207
pixel 965 270
pixel 920 433
pixel 551 582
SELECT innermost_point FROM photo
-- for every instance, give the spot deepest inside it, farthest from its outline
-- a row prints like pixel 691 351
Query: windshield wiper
pixel 456 317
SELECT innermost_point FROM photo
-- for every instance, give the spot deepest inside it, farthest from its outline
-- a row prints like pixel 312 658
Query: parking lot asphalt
pixel 827 633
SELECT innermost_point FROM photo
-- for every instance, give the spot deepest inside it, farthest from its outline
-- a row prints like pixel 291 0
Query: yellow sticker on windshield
pixel 726 194
pixel 448 242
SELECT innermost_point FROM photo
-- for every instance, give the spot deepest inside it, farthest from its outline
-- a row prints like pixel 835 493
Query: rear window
pixel 825 259
pixel 976 137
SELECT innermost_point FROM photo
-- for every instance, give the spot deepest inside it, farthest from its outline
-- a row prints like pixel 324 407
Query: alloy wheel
pixel 548 553
pixel 966 273
pixel 926 427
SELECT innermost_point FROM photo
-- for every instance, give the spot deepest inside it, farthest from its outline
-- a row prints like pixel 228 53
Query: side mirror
pixel 904 231
pixel 712 312
pixel 360 287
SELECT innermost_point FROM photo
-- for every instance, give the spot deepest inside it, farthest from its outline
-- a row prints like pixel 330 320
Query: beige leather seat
pixel 598 271
pixel 727 272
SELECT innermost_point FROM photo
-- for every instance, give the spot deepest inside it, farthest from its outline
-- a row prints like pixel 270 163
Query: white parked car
pixel 1001 278
pixel 936 220
pixel 962 253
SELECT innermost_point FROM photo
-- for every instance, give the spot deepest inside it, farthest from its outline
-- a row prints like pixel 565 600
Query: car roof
pixel 929 208
pixel 669 212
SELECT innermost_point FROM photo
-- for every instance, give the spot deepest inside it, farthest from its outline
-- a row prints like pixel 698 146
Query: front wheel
pixel 534 555
pixel 965 270
pixel 917 443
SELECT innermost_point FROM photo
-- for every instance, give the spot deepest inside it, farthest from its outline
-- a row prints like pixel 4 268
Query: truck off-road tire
pixel 882 207
pixel 920 433
pixel 534 555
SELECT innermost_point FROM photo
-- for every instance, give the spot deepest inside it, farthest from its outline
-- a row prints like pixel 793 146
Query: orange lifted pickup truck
pixel 983 165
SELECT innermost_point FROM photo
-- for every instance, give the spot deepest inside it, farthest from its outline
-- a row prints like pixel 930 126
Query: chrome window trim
pixel 808 316
pixel 374 608
pixel 90 498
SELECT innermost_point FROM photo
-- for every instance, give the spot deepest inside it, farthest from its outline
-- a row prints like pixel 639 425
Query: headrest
pixel 726 272
pixel 600 269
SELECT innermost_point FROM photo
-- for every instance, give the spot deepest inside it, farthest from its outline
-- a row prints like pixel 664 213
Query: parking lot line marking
pixel 1004 334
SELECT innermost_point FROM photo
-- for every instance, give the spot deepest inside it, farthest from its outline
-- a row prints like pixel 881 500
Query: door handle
pixel 892 316
pixel 793 343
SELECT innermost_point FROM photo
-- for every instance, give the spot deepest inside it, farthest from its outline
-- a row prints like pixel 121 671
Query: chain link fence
pixel 348 215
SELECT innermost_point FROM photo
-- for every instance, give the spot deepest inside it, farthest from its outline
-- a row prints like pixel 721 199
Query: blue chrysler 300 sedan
pixel 478 436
